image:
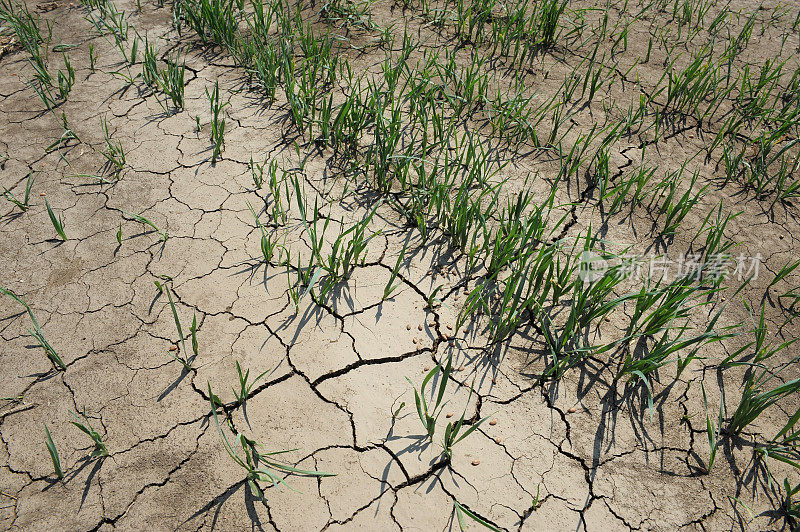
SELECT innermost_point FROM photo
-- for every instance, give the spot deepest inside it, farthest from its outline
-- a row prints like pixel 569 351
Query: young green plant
pixel 258 465
pixel 57 221
pixel 51 449
pixel 100 449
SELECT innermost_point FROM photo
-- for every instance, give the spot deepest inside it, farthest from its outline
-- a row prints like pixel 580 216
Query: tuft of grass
pixel 453 434
pixel 114 152
pixel 712 430
pixel 184 358
pixel 259 466
pixel 245 385
pixel 25 202
pixel 787 268
pixel 268 245
pixel 785 445
pixel 36 332
pixel 100 449
pixel 755 400
pixel 428 416
pixel 390 286
pixel 791 508
pixel 51 448
pixel 193 334
pixel 92 57
pixel 217 122
pixel 57 221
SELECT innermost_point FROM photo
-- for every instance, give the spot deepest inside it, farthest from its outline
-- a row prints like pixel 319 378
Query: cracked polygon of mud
pixel 317 345
pixel 426 494
pixel 363 478
pixel 376 516
pixel 228 341
pixel 376 329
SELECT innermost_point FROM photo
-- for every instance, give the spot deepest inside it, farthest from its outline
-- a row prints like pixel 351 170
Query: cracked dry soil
pixel 581 452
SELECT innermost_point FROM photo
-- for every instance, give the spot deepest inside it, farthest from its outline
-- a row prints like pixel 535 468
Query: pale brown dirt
pixel 576 454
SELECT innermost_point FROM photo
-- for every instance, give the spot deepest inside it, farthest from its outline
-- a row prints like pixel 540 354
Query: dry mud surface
pixel 578 449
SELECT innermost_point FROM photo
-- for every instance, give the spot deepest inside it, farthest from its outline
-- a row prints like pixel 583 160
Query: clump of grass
pixel 65 137
pixel 25 202
pixel 170 80
pixel 785 445
pixel 114 152
pixel 193 334
pixel 51 448
pixel 92 57
pixel 57 221
pixel 785 270
pixel 791 508
pixel 429 414
pixel 712 430
pixel 257 172
pixel 258 465
pixel 100 449
pixel 390 285
pixel 66 80
pixel 217 122
pixel 150 63
pixel 36 332
pixel 184 358
pixel 245 385
pixel 268 245
pixel 755 399
pixel 173 80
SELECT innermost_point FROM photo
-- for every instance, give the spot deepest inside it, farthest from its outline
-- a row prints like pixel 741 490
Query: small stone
pixel 449 327
pixel 42 194
pixel 571 410
pixel 419 327
pixel 493 421
pixel 414 340
pixel 449 414
pixel 173 348
pixel 476 462
pixel 608 319
pixel 494 381
pixel 498 439
pixel 408 327
pixel 427 368
pixel 460 368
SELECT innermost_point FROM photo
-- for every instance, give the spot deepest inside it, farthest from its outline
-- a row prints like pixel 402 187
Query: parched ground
pixel 575 450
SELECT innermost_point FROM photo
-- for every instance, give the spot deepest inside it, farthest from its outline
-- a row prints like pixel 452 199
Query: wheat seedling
pixel 99 447
pixel 51 448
